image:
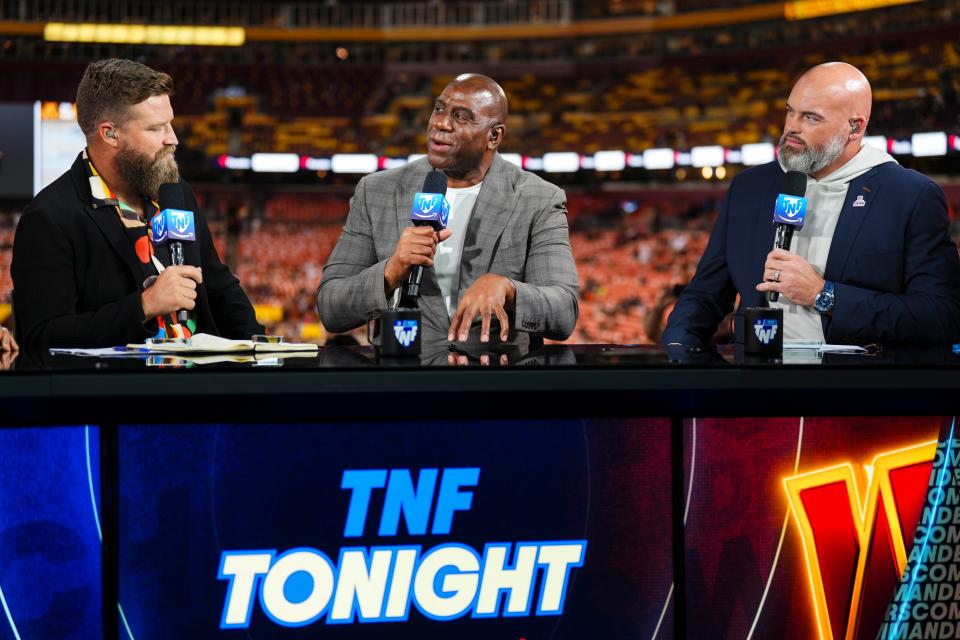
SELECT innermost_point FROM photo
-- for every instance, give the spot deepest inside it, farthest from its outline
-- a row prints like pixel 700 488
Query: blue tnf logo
pixel 431 207
pixel 158 226
pixel 176 224
pixel 766 329
pixel 405 331
pixel 790 210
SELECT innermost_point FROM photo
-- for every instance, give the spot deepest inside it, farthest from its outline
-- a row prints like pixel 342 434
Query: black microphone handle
pixel 176 260
pixel 784 238
pixel 412 292
pixel 413 281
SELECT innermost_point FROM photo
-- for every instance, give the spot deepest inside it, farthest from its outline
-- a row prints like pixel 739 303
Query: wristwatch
pixel 824 300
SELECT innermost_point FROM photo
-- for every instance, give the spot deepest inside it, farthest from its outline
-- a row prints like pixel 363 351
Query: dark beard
pixel 146 174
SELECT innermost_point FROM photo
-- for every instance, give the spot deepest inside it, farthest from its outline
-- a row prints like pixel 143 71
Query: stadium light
pixel 806 9
pixel 931 143
pixel 174 35
pixel 561 162
pixel 609 160
pixel 711 156
pixel 354 163
pixel 757 153
pixel 275 162
pixel 661 158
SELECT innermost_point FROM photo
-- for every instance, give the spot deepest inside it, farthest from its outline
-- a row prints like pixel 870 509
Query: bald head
pixel 841 84
pixel 489 93
pixel 827 115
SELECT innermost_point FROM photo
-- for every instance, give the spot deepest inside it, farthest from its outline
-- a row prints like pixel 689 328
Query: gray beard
pixel 146 174
pixel 811 159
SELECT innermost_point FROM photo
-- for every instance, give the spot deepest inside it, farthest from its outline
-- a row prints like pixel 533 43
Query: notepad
pixel 206 343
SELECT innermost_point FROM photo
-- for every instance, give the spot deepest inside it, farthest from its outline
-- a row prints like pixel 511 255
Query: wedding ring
pixel 776 275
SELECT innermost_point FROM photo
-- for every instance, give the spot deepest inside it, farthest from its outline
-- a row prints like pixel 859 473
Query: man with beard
pixel 85 271
pixel 505 256
pixel 873 263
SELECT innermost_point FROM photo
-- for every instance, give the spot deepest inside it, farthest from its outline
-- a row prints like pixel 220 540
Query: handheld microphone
pixel 430 208
pixel 173 225
pixel 789 214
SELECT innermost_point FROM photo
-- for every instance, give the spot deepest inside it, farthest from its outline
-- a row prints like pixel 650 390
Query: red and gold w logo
pixel 855 549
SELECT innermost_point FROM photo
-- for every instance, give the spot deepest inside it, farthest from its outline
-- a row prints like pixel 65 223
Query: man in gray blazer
pixel 506 254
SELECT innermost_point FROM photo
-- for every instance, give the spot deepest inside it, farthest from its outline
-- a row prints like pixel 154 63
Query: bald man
pixel 873 263
pixel 501 271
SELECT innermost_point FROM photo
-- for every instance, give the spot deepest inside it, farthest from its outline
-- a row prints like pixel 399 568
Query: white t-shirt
pixel 449 252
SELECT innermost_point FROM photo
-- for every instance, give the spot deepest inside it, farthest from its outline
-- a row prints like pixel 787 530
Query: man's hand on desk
pixel 489 295
pixel 462 360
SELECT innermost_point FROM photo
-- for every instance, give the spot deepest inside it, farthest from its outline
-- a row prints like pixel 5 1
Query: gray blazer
pixel 518 229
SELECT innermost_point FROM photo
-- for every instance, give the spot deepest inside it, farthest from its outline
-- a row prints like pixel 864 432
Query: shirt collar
pixel 102 196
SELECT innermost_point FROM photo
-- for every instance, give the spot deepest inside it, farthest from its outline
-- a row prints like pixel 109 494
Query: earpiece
pixel 111 134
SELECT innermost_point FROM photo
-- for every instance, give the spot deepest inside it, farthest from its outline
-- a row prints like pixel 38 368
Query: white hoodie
pixel 825 200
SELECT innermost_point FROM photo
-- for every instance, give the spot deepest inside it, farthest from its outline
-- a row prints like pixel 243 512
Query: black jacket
pixel 77 281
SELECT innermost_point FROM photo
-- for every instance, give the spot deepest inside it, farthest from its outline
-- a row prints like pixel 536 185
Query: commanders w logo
pixel 855 549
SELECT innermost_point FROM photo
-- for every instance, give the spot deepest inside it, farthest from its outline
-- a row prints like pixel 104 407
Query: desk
pixel 670 471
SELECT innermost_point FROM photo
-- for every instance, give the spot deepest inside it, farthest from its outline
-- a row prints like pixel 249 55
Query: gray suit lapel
pixel 493 210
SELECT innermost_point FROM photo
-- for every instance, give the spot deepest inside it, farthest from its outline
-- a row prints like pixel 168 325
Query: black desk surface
pixel 555 381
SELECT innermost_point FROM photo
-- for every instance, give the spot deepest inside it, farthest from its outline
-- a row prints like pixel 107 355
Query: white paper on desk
pixel 258 359
pixel 206 343
pixel 199 343
pixel 822 347
pixel 279 347
pixel 103 352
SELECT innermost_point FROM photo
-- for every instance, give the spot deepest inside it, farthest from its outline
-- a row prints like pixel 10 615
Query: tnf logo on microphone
pixel 790 210
pixel 173 224
pixel 405 332
pixel 766 330
pixel 431 207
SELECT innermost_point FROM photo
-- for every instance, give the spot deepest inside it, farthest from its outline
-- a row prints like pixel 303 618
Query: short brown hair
pixel 110 87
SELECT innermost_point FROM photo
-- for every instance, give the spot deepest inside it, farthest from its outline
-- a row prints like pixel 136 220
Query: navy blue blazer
pixel 897 270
